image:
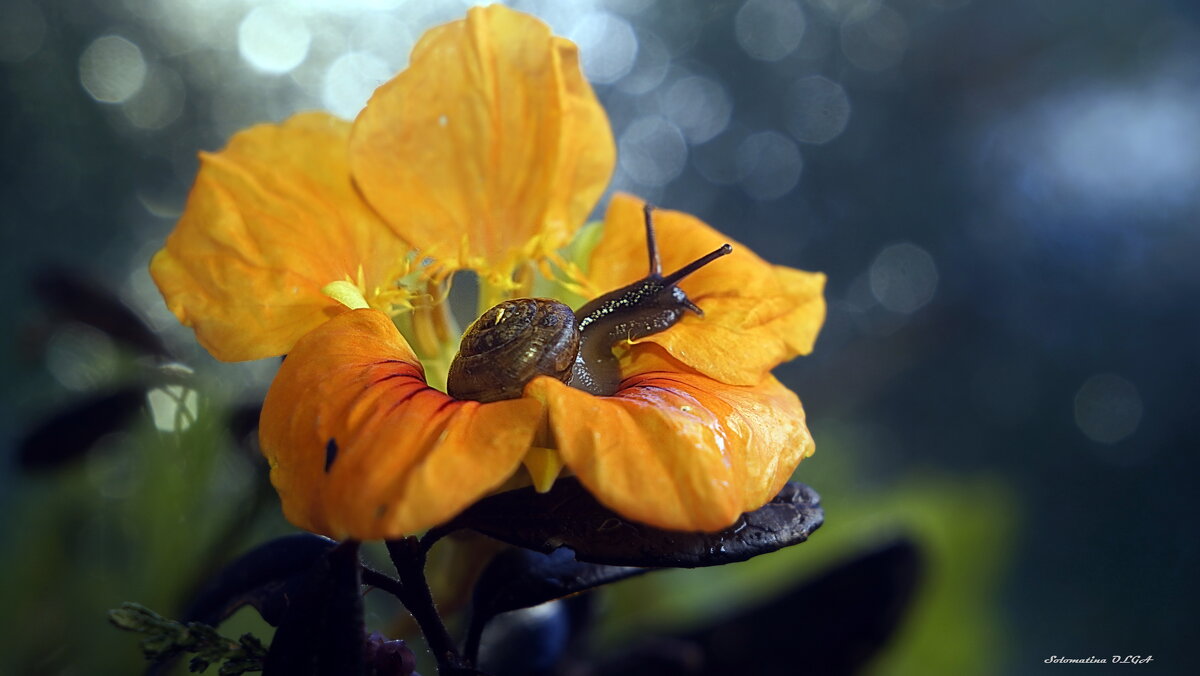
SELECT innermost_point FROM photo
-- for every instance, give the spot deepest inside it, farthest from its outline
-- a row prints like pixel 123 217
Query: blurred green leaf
pixel 962 527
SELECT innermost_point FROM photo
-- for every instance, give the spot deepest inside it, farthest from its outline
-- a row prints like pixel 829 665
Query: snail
pixel 520 339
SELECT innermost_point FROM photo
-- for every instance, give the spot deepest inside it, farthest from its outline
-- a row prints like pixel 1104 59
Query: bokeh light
pixel 876 41
pixel 350 80
pixel 607 45
pixel 903 277
pixel 1108 408
pixel 273 38
pixel 22 29
pixel 698 106
pixel 81 358
pixel 768 165
pixel 843 11
pixel 818 109
pixel 652 151
pixel 1108 147
pixel 649 67
pixel 174 408
pixel 160 100
pixel 112 69
pixel 769 30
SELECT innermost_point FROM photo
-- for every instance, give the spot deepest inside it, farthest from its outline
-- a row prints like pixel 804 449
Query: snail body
pixel 518 340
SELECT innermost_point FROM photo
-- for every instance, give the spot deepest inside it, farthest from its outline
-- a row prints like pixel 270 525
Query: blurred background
pixel 1005 196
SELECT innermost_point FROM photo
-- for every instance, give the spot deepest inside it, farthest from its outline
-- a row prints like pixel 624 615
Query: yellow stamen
pixel 346 293
pixel 572 278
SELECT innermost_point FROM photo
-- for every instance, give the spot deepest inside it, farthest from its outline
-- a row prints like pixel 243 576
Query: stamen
pixel 346 293
pixel 695 265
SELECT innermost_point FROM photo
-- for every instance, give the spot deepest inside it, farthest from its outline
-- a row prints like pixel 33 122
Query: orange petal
pixel 675 449
pixel 491 148
pixel 271 219
pixel 360 446
pixel 756 315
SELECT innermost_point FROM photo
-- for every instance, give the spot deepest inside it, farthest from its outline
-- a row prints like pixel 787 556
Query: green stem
pixel 490 295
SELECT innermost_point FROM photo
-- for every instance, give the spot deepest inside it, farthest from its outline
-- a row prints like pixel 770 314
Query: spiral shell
pixel 510 345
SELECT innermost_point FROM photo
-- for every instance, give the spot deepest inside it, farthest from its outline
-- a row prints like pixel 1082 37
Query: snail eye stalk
pixel 723 250
pixel 651 244
pixel 656 262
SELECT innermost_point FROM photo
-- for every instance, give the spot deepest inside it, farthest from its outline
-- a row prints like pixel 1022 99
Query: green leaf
pixel 165 637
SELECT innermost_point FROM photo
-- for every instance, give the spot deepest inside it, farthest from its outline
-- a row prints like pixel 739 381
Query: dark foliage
pixel 520 578
pixel 321 634
pixel 831 626
pixel 267 577
pixel 568 516
pixel 69 434
pixel 72 297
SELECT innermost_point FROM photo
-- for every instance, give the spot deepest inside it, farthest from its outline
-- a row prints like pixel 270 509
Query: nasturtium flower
pixel 335 243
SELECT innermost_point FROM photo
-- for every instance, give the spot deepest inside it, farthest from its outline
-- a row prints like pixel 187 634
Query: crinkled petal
pixel 756 315
pixel 360 446
pixel 271 219
pixel 491 148
pixel 674 448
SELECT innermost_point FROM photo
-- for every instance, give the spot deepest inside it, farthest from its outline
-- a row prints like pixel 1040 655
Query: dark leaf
pixel 520 578
pixel 265 577
pixel 322 630
pixel 850 613
pixel 568 516
pixel 73 297
pixel 663 656
pixel 72 432
pixel 832 625
pixel 526 642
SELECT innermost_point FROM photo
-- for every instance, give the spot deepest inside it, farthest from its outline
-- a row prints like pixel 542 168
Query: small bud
pixel 384 657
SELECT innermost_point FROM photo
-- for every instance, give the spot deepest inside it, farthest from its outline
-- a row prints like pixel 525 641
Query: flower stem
pixel 409 558
pixel 490 295
pixel 432 332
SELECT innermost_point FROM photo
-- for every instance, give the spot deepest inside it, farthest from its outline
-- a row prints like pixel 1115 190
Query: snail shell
pixel 510 345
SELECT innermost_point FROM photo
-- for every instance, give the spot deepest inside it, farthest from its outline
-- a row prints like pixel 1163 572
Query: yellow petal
pixel 490 149
pixel 270 221
pixel 360 446
pixel 544 466
pixel 675 449
pixel 756 315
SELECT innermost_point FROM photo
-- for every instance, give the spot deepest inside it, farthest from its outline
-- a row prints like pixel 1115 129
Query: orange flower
pixel 486 154
pixel 489 151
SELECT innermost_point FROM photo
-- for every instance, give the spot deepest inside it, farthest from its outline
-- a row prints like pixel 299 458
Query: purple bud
pixel 384 657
